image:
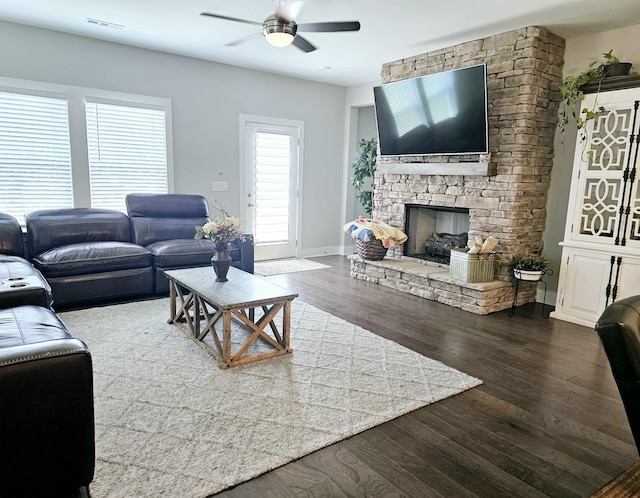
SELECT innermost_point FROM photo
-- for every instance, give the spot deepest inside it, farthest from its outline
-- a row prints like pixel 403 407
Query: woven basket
pixel 372 250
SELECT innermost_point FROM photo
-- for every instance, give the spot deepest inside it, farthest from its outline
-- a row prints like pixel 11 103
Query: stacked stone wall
pixel 524 72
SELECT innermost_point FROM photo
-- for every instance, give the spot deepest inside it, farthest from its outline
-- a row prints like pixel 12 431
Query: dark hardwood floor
pixel 548 420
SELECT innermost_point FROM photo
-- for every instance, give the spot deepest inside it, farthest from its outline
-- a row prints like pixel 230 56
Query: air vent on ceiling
pixel 104 24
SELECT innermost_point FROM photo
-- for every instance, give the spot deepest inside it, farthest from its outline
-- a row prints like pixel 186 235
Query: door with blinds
pixel 272 152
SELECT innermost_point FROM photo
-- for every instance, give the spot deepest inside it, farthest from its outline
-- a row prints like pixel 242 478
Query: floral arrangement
pixel 222 229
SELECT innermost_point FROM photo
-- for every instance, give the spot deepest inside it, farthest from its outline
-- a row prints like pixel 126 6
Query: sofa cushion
pixel 24 325
pixel 157 217
pixel 186 252
pixel 91 257
pixel 50 228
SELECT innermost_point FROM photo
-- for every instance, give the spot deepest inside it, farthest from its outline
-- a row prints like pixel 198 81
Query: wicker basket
pixel 472 268
pixel 372 250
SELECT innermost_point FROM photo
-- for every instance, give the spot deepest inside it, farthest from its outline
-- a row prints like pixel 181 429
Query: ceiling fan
pixel 280 29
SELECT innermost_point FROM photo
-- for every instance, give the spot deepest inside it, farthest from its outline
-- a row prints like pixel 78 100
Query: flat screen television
pixel 442 113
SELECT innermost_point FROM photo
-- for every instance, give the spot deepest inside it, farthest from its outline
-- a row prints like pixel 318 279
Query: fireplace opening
pixel 433 231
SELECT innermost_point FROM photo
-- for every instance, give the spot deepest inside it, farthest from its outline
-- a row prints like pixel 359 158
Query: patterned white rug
pixel 290 265
pixel 169 422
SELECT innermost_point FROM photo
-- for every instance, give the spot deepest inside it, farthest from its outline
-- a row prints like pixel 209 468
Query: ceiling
pixel 391 29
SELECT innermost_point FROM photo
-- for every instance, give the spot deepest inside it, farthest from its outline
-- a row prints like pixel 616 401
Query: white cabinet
pixel 601 248
pixel 592 279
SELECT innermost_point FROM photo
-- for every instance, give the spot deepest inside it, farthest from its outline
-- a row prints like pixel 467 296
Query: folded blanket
pixel 367 229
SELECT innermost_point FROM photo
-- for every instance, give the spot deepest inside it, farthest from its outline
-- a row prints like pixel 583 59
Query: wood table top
pixel 242 290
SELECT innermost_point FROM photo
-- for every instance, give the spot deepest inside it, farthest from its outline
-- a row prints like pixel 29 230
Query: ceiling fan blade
pixel 327 27
pixel 288 9
pixel 242 40
pixel 303 44
pixel 227 18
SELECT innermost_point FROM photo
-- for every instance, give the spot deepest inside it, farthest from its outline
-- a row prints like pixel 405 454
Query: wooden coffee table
pixel 197 303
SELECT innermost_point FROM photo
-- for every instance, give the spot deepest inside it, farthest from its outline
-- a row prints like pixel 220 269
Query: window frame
pixel 76 98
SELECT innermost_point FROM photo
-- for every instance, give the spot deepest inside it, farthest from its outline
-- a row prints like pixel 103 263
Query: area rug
pixel 169 422
pixel 289 265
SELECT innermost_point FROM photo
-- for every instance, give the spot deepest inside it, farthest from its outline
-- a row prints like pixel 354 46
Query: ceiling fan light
pixel 279 39
pixel 279 32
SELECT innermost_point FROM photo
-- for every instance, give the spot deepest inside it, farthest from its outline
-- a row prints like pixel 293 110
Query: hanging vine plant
pixel 363 171
pixel 572 86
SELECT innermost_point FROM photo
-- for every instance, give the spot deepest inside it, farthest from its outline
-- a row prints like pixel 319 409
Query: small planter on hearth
pixel 529 267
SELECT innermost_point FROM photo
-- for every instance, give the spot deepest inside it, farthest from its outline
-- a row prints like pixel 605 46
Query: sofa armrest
pixel 619 330
pixel 47 418
pixel 11 241
pixel 246 251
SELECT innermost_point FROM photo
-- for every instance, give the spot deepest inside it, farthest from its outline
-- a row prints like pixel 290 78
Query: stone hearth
pixel 507 198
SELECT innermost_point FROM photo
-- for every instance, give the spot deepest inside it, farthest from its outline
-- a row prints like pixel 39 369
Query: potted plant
pixel 529 266
pixel 572 94
pixel 363 170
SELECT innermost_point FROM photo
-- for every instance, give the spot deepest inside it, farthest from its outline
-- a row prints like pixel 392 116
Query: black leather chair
pixel 47 441
pixel 166 225
pixel 20 282
pixel 619 331
pixel 87 255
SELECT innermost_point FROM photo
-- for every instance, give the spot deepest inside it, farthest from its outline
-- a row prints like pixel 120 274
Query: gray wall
pixel 207 99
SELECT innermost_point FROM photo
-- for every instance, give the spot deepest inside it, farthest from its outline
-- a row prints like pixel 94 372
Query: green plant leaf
pixel 363 170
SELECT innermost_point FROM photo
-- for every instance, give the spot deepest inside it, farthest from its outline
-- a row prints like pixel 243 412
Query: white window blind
pixel 35 157
pixel 273 164
pixel 127 153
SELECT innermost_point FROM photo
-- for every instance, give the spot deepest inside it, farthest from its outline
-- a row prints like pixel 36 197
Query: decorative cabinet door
pixel 601 249
pixel 605 206
pixel 581 296
pixel 629 278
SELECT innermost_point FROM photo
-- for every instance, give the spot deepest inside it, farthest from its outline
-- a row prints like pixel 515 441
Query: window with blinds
pixel 127 152
pixel 35 156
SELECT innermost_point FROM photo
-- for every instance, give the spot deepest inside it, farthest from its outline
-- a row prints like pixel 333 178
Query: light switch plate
pixel 220 186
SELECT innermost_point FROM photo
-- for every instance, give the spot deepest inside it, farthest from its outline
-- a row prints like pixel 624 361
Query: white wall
pixel 357 97
pixel 207 99
pixel 579 53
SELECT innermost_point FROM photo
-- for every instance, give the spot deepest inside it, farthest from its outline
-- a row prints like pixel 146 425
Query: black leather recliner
pixel 619 331
pixel 166 224
pixel 87 254
pixel 20 282
pixel 47 440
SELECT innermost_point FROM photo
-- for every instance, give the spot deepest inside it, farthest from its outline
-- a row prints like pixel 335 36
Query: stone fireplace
pixel 505 194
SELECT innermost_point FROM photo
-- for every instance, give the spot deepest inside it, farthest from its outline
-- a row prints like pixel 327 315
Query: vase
pixel 221 261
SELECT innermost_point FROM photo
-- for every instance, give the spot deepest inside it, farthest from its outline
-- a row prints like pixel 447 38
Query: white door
pixel 272 151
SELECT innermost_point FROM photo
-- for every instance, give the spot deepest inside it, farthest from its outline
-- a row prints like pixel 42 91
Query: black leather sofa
pixel 90 255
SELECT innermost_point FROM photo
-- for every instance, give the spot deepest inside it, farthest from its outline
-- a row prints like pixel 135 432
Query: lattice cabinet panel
pixel 634 233
pixel 601 248
pixel 605 205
